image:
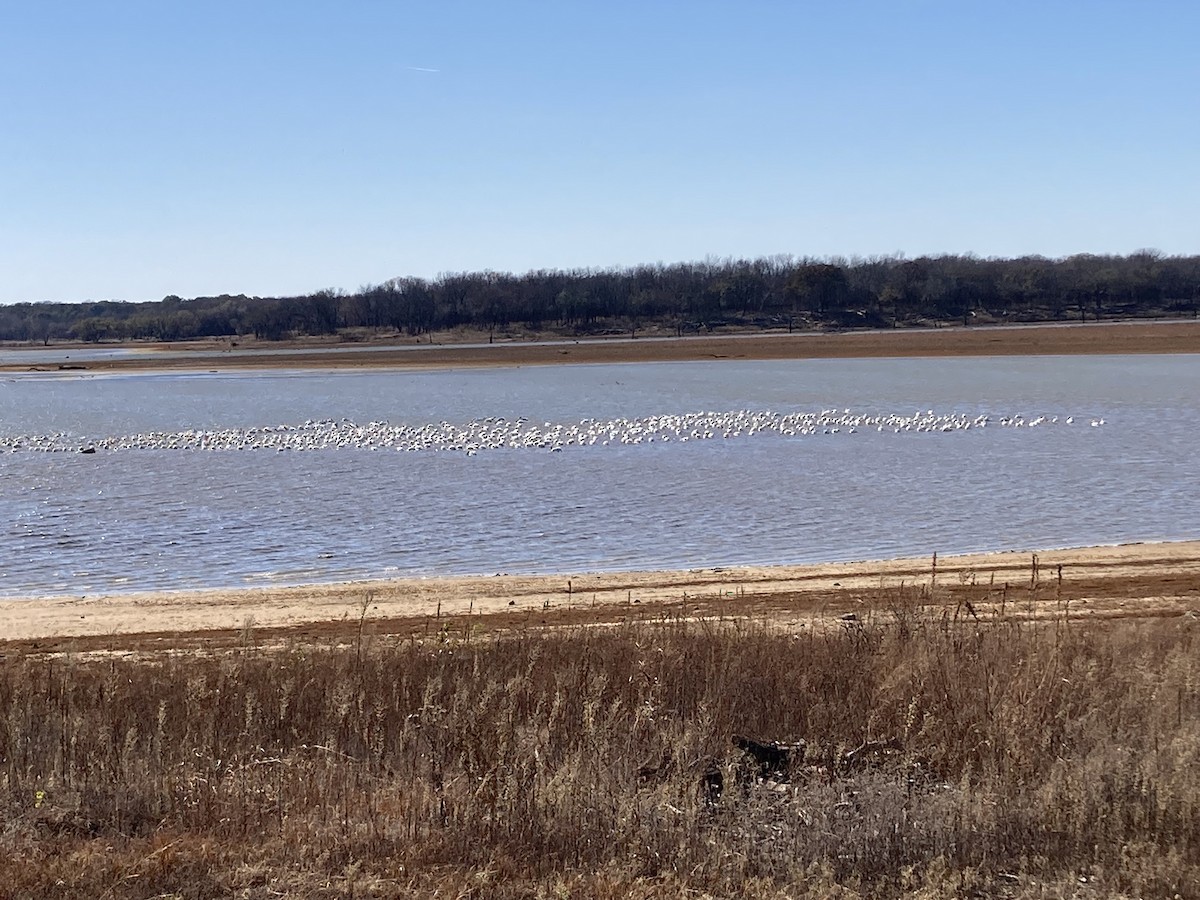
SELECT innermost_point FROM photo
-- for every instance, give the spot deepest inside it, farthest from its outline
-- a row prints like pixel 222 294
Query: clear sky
pixel 281 146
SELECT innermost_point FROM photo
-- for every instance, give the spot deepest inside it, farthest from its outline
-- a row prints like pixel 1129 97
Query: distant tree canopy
pixel 772 292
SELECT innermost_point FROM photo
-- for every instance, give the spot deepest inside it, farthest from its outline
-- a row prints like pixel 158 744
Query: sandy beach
pixel 1173 336
pixel 1128 581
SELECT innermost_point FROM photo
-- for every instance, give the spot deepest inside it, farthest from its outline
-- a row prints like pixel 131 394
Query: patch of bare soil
pixel 1175 336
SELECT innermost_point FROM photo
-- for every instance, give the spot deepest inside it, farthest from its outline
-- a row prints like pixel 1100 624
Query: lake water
pixel 122 520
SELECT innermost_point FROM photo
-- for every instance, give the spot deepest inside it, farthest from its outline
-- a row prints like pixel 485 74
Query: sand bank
pixel 1129 580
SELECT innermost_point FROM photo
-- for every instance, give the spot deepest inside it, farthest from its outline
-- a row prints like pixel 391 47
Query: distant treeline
pixel 769 293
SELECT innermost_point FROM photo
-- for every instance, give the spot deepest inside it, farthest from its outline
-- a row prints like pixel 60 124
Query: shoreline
pixel 1110 574
pixel 1126 581
pixel 1126 337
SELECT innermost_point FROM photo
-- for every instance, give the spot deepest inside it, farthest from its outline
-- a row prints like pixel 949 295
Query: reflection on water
pixel 171 519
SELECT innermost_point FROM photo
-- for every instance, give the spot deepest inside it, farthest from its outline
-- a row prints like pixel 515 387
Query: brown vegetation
pixel 930 750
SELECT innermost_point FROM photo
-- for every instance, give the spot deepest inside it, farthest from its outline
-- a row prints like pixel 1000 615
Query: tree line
pixel 767 293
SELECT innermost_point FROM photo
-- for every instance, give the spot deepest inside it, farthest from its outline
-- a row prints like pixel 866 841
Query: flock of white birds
pixel 495 433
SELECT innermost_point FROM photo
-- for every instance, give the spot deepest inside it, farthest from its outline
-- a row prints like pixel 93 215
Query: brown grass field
pixel 1011 725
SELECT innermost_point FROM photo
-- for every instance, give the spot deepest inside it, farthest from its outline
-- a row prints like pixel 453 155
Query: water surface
pixel 158 519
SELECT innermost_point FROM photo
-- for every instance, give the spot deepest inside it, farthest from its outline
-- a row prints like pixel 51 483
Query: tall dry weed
pixel 590 756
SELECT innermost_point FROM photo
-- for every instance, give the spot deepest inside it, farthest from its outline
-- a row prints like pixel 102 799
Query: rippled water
pixel 126 519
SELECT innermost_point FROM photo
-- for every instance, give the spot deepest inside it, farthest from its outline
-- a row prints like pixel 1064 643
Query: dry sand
pixel 1174 336
pixel 1129 581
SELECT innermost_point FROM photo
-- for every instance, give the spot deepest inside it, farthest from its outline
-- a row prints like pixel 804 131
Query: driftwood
pixel 768 761
pixel 778 761
pixel 771 758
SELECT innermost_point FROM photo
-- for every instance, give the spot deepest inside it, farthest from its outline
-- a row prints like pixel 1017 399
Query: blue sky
pixel 153 148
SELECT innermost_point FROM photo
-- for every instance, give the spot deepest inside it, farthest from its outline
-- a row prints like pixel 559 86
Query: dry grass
pixel 1036 760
